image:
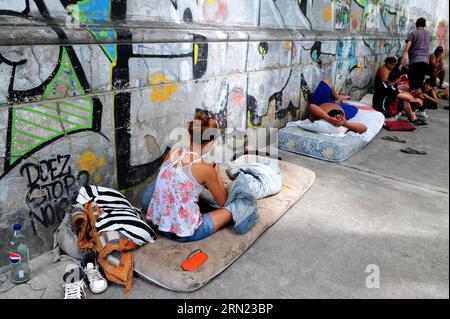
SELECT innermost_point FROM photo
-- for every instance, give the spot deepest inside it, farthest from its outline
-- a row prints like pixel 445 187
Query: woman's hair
pixel 206 122
pixel 439 50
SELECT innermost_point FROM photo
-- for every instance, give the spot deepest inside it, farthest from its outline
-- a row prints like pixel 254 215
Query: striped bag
pixel 117 214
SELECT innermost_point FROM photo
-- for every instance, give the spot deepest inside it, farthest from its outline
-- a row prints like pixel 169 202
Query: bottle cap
pixel 17 227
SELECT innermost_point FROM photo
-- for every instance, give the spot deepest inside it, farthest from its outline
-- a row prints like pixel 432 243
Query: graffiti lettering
pixel 51 185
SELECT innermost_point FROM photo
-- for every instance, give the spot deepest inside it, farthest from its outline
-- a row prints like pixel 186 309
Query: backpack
pixel 65 238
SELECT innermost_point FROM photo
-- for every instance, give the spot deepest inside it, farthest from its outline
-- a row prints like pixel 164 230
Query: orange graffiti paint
pixel 327 13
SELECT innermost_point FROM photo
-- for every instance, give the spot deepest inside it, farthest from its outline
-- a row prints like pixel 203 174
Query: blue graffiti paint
pixel 94 13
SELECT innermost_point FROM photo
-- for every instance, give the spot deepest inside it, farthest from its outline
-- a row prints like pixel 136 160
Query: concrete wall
pixel 92 96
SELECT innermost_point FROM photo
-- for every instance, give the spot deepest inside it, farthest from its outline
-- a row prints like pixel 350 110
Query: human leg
pixel 220 218
pixel 323 93
pixel 416 75
pixel 336 96
pixel 212 222
pixel 406 106
pixel 441 76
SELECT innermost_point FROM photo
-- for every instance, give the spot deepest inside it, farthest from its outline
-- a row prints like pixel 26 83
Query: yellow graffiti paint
pixel 90 163
pixel 327 13
pixel 212 2
pixel 163 92
pixel 195 53
pixel 288 45
pixel 98 178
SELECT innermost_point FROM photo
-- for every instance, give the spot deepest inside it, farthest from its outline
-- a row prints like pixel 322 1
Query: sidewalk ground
pixel 380 207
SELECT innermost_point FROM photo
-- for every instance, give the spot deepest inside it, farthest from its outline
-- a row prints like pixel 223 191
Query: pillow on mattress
pixel 321 126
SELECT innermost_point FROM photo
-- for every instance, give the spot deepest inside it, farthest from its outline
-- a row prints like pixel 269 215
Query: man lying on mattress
pixel 327 105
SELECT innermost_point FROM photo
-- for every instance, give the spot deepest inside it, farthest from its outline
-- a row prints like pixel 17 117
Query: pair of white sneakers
pixel 75 277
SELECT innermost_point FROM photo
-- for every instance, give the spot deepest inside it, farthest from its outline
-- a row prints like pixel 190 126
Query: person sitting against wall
pixel 429 95
pixel 437 69
pixel 182 179
pixel 390 64
pixel 389 100
pixel 327 105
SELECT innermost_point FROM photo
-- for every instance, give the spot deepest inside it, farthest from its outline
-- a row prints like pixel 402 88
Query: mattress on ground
pixel 324 147
pixel 331 148
pixel 160 262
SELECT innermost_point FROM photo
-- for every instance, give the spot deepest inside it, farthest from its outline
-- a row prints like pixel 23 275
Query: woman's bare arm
pixel 210 176
pixel 219 178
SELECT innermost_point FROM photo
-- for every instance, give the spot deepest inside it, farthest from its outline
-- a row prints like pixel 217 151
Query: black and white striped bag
pixel 117 214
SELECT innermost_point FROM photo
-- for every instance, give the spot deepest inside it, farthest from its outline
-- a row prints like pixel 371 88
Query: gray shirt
pixel 420 46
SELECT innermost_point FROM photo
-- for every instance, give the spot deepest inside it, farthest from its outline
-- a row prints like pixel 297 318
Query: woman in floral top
pixel 183 177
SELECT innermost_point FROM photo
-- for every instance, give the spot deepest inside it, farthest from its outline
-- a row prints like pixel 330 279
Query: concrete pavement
pixel 381 207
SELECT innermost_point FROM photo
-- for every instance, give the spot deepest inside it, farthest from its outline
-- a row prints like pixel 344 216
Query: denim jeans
pixel 205 230
pixel 147 195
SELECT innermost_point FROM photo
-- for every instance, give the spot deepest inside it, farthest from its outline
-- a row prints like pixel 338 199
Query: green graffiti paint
pixel 27 135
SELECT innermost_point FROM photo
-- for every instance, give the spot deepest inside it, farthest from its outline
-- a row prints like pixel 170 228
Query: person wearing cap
pixel 417 49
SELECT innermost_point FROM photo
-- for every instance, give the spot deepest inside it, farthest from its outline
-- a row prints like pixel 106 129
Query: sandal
pixel 413 151
pixel 394 139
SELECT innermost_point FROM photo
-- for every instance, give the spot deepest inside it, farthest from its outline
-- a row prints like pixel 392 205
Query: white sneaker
pixel 74 287
pixel 75 290
pixel 97 284
pixel 423 114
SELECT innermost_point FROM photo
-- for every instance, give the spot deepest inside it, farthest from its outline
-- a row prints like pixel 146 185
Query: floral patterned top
pixel 174 204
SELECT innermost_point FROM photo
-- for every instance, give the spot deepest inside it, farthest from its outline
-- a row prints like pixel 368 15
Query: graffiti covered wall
pixel 91 89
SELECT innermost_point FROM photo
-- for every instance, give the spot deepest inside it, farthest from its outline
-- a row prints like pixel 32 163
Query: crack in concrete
pixel 39 65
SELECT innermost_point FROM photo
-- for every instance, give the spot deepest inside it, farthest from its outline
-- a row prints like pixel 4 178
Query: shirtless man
pixel 383 73
pixel 437 66
pixel 327 105
pixel 390 64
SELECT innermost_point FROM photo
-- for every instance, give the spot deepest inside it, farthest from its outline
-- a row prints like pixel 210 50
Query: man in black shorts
pixel 390 101
pixel 418 49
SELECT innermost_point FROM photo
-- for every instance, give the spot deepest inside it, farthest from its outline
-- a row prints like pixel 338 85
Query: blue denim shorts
pixel 205 230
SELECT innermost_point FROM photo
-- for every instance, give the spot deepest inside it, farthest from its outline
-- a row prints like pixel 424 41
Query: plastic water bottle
pixel 19 256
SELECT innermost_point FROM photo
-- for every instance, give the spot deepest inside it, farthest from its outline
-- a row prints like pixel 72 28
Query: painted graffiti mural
pixel 49 186
pixel 89 95
pixel 342 15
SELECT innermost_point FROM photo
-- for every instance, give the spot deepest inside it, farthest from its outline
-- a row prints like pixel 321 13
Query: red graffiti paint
pixel 215 10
